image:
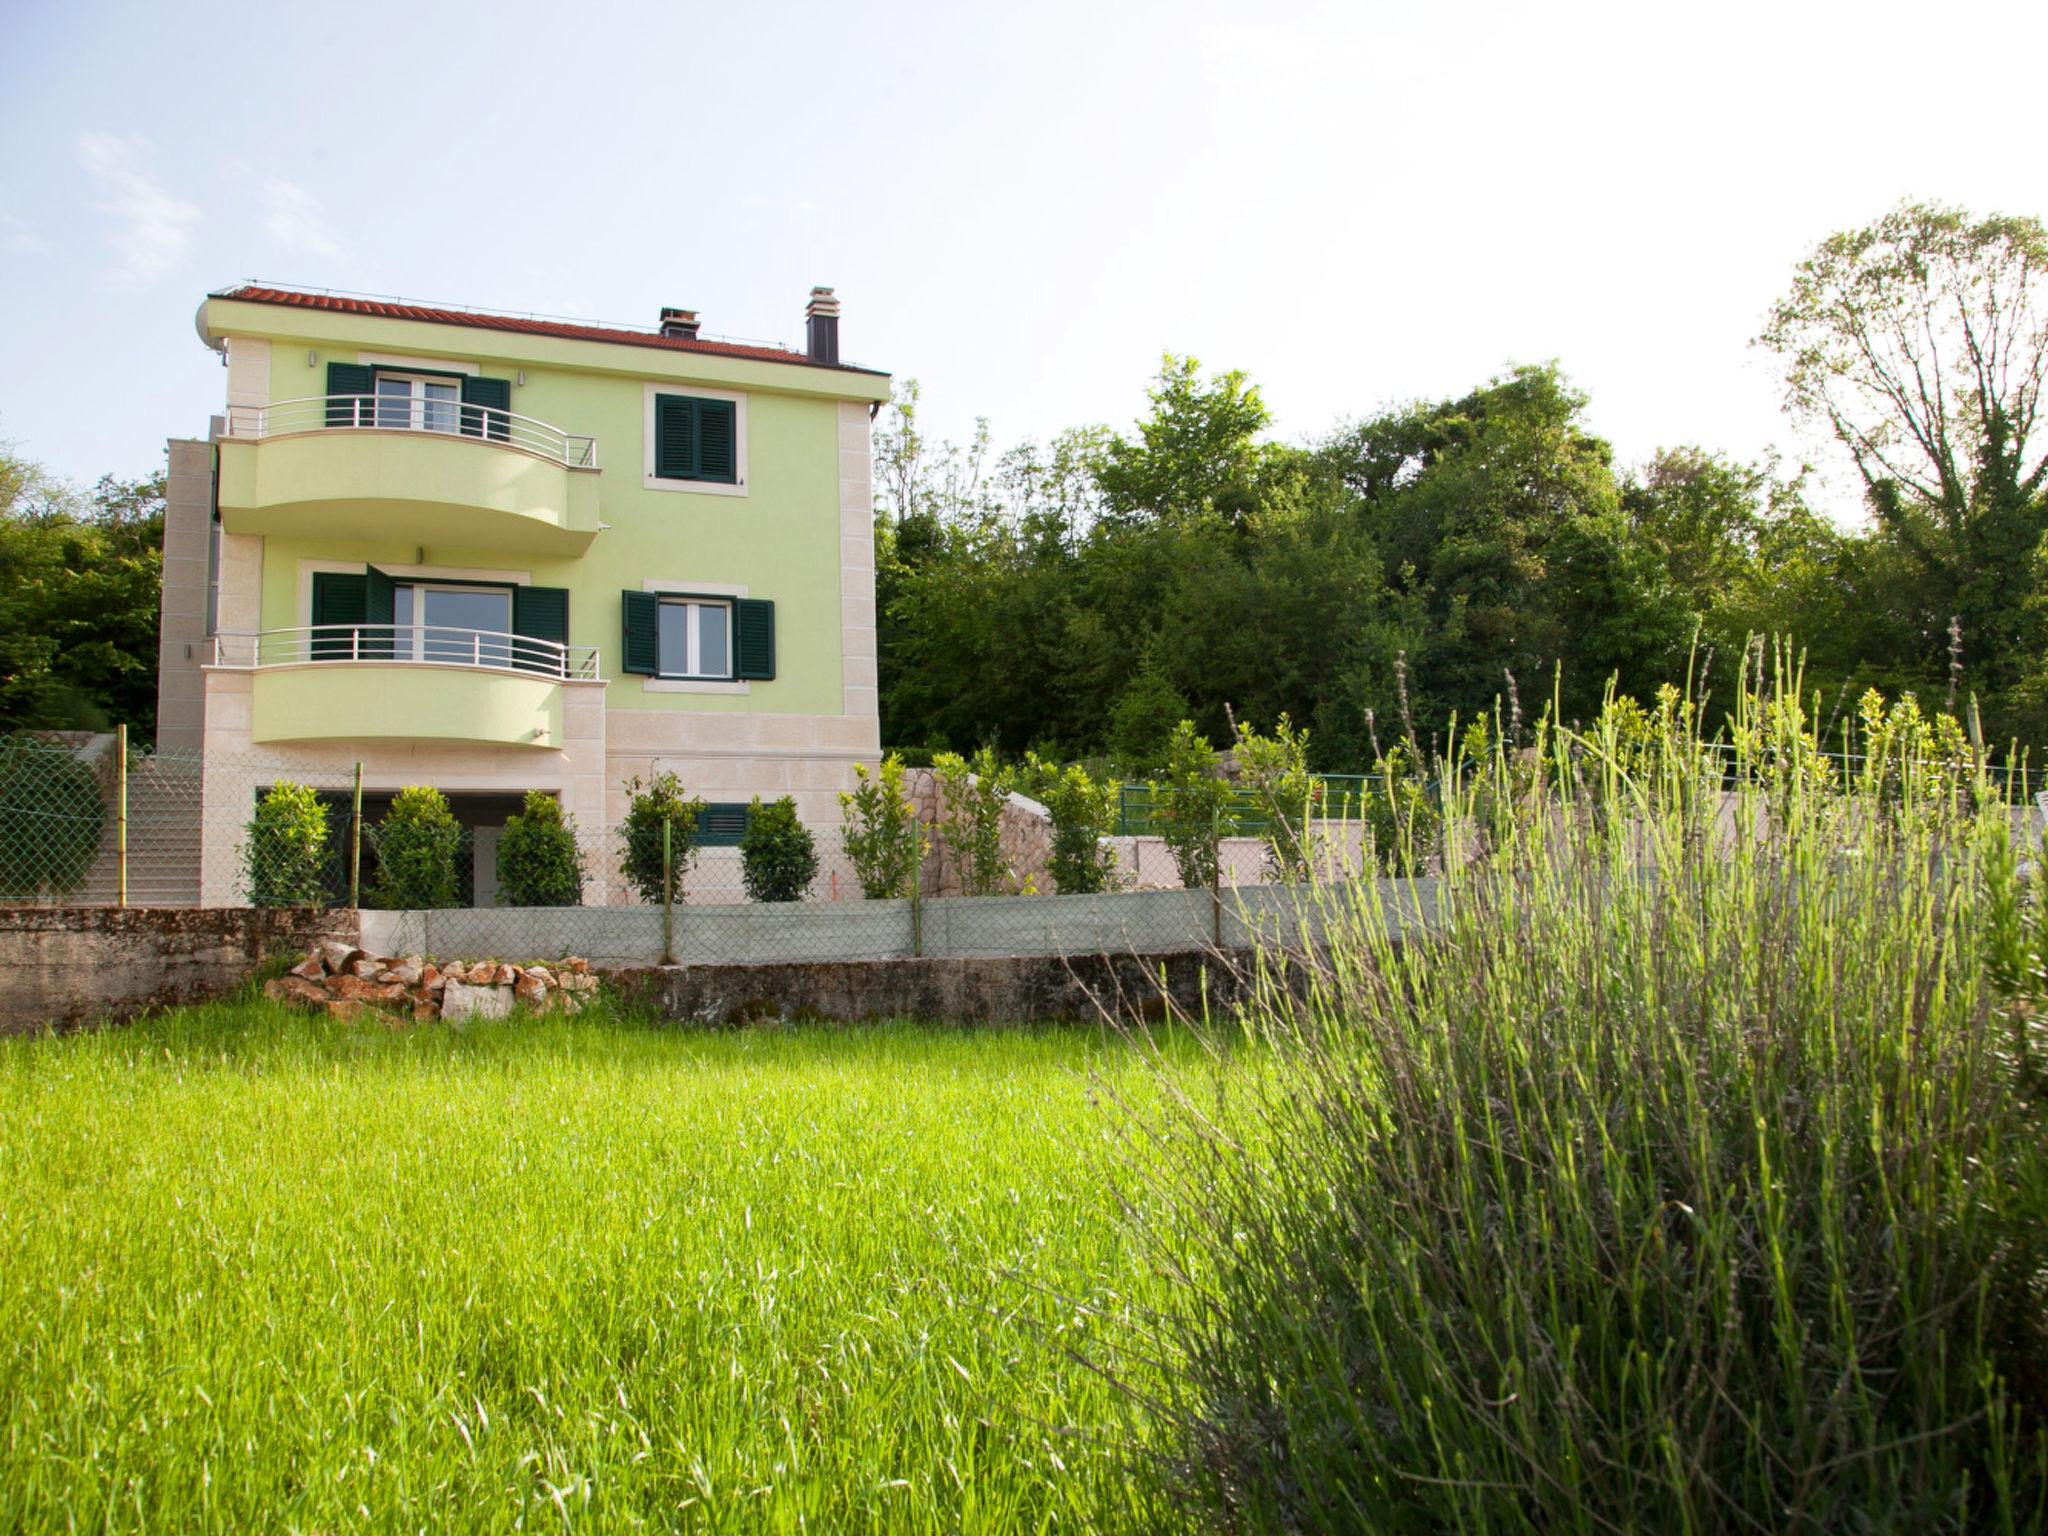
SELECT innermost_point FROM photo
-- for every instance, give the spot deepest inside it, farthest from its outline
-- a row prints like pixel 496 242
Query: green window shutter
pixel 754 639
pixel 485 407
pixel 349 379
pixel 723 824
pixel 540 613
pixel 380 603
pixel 638 651
pixel 337 600
pixel 716 454
pixel 675 437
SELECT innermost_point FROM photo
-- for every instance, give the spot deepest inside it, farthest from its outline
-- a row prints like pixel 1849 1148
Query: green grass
pixel 258 1272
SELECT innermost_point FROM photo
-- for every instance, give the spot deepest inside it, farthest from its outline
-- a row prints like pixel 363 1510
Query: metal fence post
pixel 121 845
pixel 668 892
pixel 917 915
pixel 355 844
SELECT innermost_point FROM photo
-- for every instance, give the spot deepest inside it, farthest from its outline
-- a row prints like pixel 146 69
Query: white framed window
pixel 418 402
pixel 462 625
pixel 693 638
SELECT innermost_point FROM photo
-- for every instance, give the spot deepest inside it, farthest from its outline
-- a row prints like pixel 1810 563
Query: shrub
pixel 52 819
pixel 652 805
pixel 778 855
pixel 416 842
pixel 1192 806
pixel 1286 795
pixel 971 800
pixel 539 861
pixel 1678 1167
pixel 284 857
pixel 1403 828
pixel 1083 811
pixel 882 836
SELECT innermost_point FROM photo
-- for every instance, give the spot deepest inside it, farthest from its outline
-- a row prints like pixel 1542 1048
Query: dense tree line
pixel 80 578
pixel 1079 597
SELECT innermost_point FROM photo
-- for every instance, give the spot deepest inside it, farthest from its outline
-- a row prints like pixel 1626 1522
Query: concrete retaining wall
pixel 65 966
pixel 965 927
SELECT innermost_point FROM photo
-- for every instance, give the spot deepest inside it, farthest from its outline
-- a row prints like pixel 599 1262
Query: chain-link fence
pixel 86 821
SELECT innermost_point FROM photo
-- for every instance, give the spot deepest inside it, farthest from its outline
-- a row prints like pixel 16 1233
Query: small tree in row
pixel 540 863
pixel 778 856
pixel 883 837
pixel 657 803
pixel 284 854
pixel 416 844
pixel 1083 811
pixel 972 794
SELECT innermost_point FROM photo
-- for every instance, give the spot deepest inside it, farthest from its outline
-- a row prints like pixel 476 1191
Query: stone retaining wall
pixel 65 966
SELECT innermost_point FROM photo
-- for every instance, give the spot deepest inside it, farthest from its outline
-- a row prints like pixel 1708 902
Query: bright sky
pixel 1020 205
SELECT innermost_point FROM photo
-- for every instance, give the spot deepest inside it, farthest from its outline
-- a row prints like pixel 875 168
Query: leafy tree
pixel 79 584
pixel 778 855
pixel 540 863
pixel 882 836
pixel 1195 455
pixel 650 806
pixel 1921 344
pixel 1141 725
pixel 416 842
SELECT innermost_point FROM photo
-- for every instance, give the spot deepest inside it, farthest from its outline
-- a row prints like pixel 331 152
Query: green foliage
pixel 1142 722
pixel 1195 455
pixel 1273 770
pixel 972 795
pixel 284 855
pixel 416 842
pixel 79 583
pixel 1083 811
pixel 52 819
pixel 1403 826
pixel 778 855
pixel 540 863
pixel 1677 1165
pixel 650 806
pixel 883 838
pixel 1193 806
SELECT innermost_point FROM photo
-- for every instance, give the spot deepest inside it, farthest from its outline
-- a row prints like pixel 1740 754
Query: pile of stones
pixel 345 982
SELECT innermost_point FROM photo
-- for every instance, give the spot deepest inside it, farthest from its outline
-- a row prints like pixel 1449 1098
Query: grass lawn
pixel 263 1273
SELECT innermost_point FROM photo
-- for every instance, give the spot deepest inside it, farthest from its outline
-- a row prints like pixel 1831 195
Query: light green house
pixel 494 554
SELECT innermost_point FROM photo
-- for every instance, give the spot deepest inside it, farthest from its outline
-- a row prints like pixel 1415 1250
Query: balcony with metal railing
pixel 410 469
pixel 405 682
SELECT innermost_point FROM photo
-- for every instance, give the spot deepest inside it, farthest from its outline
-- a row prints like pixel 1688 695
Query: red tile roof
pixel 251 293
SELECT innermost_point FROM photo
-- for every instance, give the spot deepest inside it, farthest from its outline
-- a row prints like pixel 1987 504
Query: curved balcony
pixel 388 682
pixel 356 467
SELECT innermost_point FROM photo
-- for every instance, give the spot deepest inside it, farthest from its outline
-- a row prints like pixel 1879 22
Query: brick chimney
pixel 821 326
pixel 679 322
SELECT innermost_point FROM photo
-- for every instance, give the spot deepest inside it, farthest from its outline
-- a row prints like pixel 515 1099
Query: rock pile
pixel 344 981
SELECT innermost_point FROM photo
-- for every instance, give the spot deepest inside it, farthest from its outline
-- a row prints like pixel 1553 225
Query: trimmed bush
pixel 539 861
pixel 882 836
pixel 778 855
pixel 1083 810
pixel 416 844
pixel 284 859
pixel 657 802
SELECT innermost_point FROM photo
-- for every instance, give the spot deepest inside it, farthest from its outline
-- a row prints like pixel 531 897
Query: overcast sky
pixel 1021 205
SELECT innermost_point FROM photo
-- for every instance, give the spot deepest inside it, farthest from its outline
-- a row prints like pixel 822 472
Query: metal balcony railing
pixel 424 644
pixel 323 413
